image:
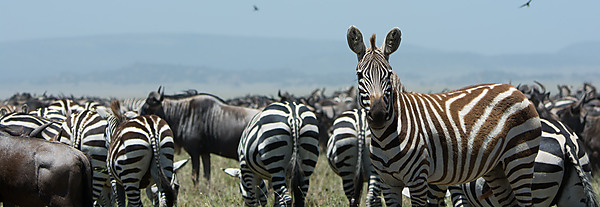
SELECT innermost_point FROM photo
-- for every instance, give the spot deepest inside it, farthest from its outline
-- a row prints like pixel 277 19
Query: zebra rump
pixel 280 144
pixel 142 148
pixel 348 157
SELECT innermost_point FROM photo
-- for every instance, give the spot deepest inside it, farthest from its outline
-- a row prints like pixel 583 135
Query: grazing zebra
pixel 279 144
pixel 202 124
pixel 348 157
pixel 142 148
pixel 26 123
pixel 489 130
pixel 562 173
pixel 85 131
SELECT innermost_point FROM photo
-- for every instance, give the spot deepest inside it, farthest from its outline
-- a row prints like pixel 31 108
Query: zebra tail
pixel 296 180
pixel 588 189
pixel 163 179
pixel 297 175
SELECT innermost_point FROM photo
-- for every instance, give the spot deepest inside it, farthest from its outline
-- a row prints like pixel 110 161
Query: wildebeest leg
pixel 206 165
pixel 195 164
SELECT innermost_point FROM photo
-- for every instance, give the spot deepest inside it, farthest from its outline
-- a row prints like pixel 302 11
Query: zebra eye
pixel 359 75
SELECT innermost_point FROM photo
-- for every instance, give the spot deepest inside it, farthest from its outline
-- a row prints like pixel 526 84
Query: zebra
pixel 489 130
pixel 132 104
pixel 142 148
pixel 562 173
pixel 348 157
pixel 58 110
pixel 280 144
pixel 85 131
pixel 26 123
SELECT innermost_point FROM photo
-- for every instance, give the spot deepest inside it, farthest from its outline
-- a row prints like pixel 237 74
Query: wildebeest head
pixel 153 103
pixel 573 115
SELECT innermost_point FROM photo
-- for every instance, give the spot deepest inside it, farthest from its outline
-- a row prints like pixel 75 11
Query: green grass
pixel 222 190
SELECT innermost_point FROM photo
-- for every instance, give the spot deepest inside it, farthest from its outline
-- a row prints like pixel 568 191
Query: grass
pixel 222 190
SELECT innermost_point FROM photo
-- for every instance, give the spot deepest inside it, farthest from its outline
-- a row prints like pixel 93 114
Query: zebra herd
pixel 487 144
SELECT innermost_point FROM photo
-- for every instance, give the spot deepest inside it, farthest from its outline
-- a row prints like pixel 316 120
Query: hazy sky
pixel 479 26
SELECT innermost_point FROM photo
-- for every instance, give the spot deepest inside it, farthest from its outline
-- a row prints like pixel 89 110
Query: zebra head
pixel 375 75
pixel 153 103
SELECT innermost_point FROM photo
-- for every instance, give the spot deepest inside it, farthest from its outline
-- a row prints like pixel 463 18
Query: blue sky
pixel 480 26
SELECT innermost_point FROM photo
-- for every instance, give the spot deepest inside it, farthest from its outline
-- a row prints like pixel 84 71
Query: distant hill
pixel 218 61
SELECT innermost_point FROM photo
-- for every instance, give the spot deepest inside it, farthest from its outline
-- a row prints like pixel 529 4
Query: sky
pixel 488 27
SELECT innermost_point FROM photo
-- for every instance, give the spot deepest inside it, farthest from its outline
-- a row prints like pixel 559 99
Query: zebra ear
pixel 355 42
pixel 233 172
pixel 392 42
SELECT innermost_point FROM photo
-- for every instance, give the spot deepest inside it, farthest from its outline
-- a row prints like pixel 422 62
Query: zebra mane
pixel 372 41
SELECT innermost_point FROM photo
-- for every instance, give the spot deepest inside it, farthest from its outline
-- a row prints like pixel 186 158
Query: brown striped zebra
pixel 489 130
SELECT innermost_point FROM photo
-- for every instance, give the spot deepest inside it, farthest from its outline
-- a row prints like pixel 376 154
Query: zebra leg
pixel 105 197
pixel 206 165
pixel 458 197
pixel 282 194
pixel 392 195
pixel 418 192
pixel 252 187
pixel 118 196
pixel 374 191
pixel 436 195
pixel 500 186
pixel 133 195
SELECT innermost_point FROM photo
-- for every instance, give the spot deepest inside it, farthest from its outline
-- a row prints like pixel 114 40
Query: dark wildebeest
pixel 35 172
pixel 202 124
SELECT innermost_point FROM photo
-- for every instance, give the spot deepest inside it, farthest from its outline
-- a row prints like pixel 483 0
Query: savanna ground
pixel 222 190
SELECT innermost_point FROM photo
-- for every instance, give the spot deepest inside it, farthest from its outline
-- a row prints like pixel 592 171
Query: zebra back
pixel 26 123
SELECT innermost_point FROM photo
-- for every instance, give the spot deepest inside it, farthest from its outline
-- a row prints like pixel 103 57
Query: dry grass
pixel 325 187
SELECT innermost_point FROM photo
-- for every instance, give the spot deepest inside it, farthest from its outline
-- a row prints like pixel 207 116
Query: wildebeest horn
pixel 161 93
pixel 24 108
pixel 37 131
pixel 542 86
pixel 579 104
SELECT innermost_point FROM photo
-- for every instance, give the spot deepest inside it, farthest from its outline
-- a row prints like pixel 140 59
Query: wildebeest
pixel 202 124
pixel 35 172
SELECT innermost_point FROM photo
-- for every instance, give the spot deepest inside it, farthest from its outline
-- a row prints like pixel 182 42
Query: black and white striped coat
pixel 85 131
pixel 489 130
pixel 141 153
pixel 348 156
pixel 280 144
pixel 562 174
pixel 26 123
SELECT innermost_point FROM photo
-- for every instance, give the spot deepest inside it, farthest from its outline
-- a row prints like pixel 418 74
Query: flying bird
pixel 255 8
